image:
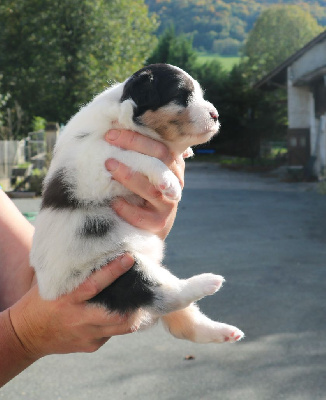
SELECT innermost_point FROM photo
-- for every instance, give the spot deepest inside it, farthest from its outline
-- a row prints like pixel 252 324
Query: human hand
pixel 70 324
pixel 158 212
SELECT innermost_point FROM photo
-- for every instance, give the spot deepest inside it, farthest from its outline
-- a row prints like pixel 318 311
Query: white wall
pixel 322 145
pixel 299 98
pixel 301 106
pixel 309 62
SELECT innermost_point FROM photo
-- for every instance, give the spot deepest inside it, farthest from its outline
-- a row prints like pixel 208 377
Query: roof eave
pixel 275 76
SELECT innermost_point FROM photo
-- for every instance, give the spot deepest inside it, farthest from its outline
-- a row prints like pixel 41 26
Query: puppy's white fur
pixel 61 255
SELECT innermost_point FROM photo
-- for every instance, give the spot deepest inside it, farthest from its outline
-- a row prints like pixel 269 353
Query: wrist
pixel 26 320
pixel 21 348
pixel 13 356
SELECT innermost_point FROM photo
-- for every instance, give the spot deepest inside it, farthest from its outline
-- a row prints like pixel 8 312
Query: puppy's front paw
pixel 188 153
pixel 211 283
pixel 169 185
pixel 199 286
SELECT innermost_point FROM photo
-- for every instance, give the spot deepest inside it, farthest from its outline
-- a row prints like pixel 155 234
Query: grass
pixel 322 188
pixel 259 164
pixel 227 62
pixel 24 165
pixel 213 158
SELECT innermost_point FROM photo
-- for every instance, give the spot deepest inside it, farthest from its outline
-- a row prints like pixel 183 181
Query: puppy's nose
pixel 214 115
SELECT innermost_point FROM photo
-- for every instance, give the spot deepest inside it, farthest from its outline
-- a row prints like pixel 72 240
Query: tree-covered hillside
pixel 221 26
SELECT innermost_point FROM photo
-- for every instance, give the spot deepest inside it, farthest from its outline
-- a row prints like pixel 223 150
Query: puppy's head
pixel 169 101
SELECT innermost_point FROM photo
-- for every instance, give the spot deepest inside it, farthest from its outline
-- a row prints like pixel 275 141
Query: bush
pixel 38 124
pixel 174 49
pixel 36 180
pixel 226 47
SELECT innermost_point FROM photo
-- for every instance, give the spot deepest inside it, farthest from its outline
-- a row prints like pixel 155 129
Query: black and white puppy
pixel 76 230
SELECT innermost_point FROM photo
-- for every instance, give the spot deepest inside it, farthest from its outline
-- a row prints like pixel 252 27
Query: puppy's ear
pixel 126 115
pixel 142 89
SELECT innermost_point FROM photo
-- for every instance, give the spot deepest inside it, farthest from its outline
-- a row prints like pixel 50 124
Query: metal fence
pixel 35 144
pixel 12 153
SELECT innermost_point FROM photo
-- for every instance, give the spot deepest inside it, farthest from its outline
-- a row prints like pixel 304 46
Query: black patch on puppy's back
pixel 95 227
pixel 129 292
pixel 58 194
pixel 157 85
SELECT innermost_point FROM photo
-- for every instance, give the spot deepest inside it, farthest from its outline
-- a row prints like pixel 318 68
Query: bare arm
pixel 16 235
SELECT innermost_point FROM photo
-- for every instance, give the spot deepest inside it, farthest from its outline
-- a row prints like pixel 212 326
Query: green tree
pixel 212 23
pixel 175 50
pixel 236 102
pixel 212 77
pixel 56 54
pixel 277 33
pixel 247 116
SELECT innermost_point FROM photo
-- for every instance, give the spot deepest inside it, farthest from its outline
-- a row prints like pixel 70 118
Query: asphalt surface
pixel 268 239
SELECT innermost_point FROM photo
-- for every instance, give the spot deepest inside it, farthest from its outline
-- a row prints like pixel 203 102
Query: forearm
pixel 13 358
pixel 16 235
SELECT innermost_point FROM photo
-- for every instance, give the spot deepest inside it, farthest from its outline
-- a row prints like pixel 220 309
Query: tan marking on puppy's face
pixel 170 123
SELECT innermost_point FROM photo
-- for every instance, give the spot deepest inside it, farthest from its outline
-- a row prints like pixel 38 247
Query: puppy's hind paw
pixel 231 334
pixel 208 331
pixel 235 336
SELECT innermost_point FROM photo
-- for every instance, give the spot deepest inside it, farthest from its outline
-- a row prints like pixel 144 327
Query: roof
pixel 278 75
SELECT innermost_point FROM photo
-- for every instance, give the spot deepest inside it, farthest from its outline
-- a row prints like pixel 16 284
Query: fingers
pixel 104 335
pixel 157 211
pixel 134 181
pixel 144 218
pixel 99 280
pixel 116 330
pixel 157 208
pixel 130 140
pixel 69 323
pixel 178 168
pixel 111 329
pixel 134 141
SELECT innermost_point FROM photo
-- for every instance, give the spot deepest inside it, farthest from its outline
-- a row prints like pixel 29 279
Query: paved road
pixel 268 239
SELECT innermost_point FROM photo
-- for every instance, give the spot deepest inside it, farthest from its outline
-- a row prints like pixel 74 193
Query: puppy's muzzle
pixel 214 115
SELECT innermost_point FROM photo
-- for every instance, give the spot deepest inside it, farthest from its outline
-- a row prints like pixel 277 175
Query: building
pixel 304 75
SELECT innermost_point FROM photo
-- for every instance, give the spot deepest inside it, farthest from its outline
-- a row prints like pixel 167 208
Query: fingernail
pixel 127 261
pixel 113 134
pixel 111 164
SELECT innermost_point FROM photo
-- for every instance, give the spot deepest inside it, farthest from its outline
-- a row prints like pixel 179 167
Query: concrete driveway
pixel 268 239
